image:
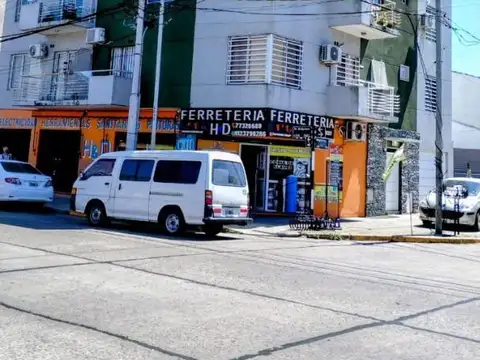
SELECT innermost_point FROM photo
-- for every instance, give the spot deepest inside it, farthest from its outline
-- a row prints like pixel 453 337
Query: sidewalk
pixel 380 228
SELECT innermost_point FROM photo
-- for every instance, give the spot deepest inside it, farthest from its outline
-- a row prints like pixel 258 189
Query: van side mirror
pixel 82 175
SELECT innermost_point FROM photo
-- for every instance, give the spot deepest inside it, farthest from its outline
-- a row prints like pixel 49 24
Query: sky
pixel 466 58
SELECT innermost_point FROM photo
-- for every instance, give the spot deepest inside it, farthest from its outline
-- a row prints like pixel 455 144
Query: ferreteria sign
pixel 252 122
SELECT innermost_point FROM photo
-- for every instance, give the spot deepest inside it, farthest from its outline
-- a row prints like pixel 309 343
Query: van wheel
pixel 96 214
pixel 212 230
pixel 172 222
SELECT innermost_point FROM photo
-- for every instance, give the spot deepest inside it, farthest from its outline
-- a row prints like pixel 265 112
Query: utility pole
pixel 134 104
pixel 438 120
pixel 153 143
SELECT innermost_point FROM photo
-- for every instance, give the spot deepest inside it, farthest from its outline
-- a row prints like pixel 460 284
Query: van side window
pixel 228 173
pixel 137 170
pixel 177 172
pixel 102 167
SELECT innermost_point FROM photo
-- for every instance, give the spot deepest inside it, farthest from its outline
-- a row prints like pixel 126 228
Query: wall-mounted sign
pixel 252 122
pixel 17 123
pixel 67 123
pixel 115 124
pixel 163 125
pixel 186 142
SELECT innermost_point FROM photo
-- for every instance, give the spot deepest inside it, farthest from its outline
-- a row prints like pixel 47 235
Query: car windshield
pixel 19 168
pixel 468 188
pixel 228 173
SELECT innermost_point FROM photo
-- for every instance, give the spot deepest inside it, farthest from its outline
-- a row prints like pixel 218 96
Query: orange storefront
pixel 340 161
pixel 62 142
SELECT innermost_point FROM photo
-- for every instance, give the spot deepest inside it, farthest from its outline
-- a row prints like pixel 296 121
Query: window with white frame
pixel 19 68
pixel 18 7
pixel 122 61
pixel 430 32
pixel 348 71
pixel 260 59
pixel 430 94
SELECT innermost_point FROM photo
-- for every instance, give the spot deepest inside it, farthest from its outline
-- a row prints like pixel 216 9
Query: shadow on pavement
pixel 37 218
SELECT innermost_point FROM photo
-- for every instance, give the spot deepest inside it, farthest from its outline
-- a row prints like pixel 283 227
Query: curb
pixel 395 238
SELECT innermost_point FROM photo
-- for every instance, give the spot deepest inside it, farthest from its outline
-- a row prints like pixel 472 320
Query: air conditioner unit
pixel 427 21
pixel 356 131
pixel 95 36
pixel 38 51
pixel 330 54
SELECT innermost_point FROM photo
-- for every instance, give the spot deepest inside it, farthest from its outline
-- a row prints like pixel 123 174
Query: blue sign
pixel 186 142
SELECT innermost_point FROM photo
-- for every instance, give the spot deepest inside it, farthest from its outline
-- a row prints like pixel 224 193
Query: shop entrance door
pixel 254 158
pixel 58 155
pixel 17 141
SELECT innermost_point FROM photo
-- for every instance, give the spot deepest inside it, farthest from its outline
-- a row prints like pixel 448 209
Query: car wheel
pixel 97 215
pixel 212 230
pixel 172 222
pixel 476 224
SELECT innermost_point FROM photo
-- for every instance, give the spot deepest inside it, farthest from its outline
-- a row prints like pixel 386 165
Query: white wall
pixel 61 42
pixel 426 124
pixel 211 45
pixel 466 116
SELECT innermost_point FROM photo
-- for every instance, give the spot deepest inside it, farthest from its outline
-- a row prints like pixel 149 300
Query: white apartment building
pixel 259 54
pixel 53 66
pixel 466 123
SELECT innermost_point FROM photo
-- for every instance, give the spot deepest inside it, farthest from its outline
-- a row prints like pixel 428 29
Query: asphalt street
pixel 71 292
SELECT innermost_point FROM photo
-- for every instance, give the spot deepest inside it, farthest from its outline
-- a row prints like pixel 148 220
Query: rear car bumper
pixel 227 221
pixel 464 218
pixel 30 196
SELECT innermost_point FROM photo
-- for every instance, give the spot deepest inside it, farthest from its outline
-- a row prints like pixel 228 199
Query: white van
pixel 177 189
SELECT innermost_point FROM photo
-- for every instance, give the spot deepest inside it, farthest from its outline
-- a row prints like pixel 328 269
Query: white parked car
pixel 177 189
pixel 467 193
pixel 22 182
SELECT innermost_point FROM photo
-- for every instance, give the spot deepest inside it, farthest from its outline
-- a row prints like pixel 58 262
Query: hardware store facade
pixel 274 144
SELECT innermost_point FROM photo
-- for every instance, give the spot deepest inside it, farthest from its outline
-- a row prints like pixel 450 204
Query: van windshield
pixel 228 173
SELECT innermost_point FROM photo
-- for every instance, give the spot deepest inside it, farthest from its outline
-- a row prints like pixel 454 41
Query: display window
pixel 288 178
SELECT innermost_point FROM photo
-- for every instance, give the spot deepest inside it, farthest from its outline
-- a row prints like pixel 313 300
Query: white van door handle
pixel 119 186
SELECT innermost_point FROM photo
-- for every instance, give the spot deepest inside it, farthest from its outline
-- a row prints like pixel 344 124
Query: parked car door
pixel 96 183
pixel 133 189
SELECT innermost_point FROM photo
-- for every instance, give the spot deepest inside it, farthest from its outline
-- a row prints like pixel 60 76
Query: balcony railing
pixel 381 99
pixel 386 15
pixel 44 13
pixel 59 88
pixel 59 10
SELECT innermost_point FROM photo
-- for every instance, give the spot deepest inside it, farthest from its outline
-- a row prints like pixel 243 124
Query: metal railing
pixel 67 10
pixel 59 88
pixel 386 14
pixel 382 100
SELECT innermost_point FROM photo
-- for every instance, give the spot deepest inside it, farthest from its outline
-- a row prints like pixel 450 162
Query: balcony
pixel 57 16
pixel 371 20
pixel 103 87
pixel 349 97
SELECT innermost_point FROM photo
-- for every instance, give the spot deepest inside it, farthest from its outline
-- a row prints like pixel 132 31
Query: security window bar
pixel 19 68
pixel 265 59
pixel 430 94
pixel 287 62
pixel 122 61
pixel 348 71
pixel 430 33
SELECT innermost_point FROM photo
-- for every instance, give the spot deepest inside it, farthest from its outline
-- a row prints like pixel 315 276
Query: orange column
pixel 354 179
